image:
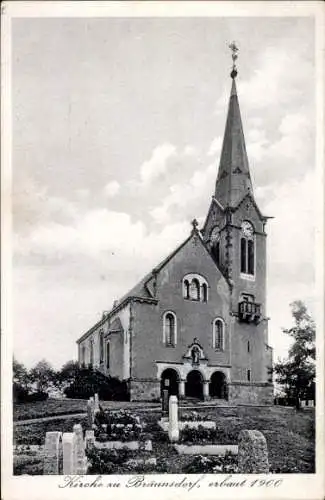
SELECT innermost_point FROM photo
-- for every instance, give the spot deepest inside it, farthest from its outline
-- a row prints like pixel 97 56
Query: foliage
pixel 297 373
pixel 212 465
pixel 117 426
pixel 89 382
pixel 42 375
pixel 202 435
pixel 193 416
pixel 68 373
pixel 103 461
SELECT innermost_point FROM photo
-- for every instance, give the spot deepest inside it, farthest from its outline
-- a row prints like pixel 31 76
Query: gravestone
pixel 165 403
pixel 90 412
pixel 52 453
pixel 79 455
pixel 252 453
pixel 89 438
pixel 96 403
pixel 68 453
pixel 173 430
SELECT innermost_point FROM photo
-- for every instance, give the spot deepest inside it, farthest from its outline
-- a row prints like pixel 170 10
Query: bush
pixel 21 395
pixel 89 382
pixel 212 465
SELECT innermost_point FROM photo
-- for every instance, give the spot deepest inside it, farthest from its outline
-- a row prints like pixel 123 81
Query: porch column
pixel 181 388
pixel 206 389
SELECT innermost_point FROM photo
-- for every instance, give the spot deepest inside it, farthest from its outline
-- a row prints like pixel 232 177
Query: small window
pixel 169 327
pixel 218 334
pixel 248 375
pixel 248 346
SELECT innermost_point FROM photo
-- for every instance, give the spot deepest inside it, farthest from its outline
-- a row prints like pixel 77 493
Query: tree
pixel 68 373
pixel 42 375
pixel 297 373
pixel 20 375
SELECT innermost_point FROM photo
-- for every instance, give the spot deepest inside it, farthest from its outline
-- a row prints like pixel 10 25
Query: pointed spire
pixel 234 181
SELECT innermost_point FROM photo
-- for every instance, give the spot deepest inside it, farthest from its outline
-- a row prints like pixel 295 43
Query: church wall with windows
pixel 194 318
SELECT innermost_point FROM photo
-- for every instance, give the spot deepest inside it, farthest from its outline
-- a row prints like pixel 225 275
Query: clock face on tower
pixel 247 229
pixel 214 235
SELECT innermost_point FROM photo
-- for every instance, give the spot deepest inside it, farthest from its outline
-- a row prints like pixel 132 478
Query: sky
pixel 117 131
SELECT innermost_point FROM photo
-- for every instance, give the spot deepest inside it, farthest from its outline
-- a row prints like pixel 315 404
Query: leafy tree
pixel 68 373
pixel 43 375
pixel 20 375
pixel 297 373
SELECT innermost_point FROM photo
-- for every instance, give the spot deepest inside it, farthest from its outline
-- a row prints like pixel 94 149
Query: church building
pixel 197 323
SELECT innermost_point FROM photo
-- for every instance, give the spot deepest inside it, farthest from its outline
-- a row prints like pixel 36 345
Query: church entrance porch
pixel 218 386
pixel 169 381
pixel 194 385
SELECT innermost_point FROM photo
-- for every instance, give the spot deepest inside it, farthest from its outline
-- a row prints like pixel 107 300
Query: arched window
pixel 195 289
pixel 204 294
pixel 218 334
pixel 169 329
pixel 243 255
pixel 83 355
pixel 101 346
pixel 247 258
pixel 107 355
pixel 91 350
pixel 250 257
pixel 186 289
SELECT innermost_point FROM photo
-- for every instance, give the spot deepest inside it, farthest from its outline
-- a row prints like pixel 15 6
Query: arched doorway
pixel 218 386
pixel 169 381
pixel 194 385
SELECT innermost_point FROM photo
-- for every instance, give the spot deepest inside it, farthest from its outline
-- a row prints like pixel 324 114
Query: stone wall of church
pixel 144 390
pixel 255 394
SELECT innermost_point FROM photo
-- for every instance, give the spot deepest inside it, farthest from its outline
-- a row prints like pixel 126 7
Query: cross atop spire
pixel 234 49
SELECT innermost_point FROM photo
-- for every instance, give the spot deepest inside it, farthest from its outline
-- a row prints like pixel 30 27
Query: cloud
pixel 157 164
pixel 186 199
pixel 111 189
pixel 215 147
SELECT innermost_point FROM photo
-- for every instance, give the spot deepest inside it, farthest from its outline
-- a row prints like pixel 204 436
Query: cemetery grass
pixel 55 407
pixel 290 437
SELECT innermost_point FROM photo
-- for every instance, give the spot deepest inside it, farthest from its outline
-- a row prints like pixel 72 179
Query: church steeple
pixel 234 181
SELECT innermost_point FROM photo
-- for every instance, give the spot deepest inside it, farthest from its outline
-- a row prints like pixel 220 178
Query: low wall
pixel 252 394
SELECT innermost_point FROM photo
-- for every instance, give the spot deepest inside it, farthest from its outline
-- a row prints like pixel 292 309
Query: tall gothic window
pixel 169 327
pixel 247 257
pixel 218 334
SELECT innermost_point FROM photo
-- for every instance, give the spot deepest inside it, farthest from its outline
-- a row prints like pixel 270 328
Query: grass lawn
pixel 24 411
pixel 53 407
pixel 290 436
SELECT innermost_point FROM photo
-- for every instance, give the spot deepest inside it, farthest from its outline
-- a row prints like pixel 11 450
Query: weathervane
pixel 234 49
